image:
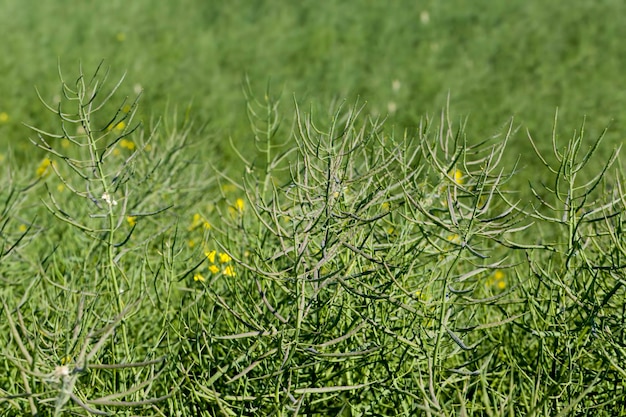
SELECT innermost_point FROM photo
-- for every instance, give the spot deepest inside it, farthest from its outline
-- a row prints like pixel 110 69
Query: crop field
pixel 313 208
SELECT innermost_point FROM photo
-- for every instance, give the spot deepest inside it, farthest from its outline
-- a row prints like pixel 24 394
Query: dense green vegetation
pixel 303 208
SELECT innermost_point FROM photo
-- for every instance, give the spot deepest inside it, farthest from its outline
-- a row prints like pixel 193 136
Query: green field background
pixel 494 60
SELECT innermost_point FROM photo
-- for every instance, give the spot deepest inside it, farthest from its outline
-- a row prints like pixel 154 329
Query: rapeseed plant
pixel 411 319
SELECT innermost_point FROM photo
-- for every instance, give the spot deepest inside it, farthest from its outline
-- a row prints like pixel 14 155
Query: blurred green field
pixel 493 59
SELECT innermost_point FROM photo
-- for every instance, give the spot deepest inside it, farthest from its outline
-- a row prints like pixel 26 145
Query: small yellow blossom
pixel 127 108
pixel 117 152
pixel 61 188
pixel 127 144
pixel 210 256
pixel 239 204
pixel 194 221
pixel 4 117
pixel 198 221
pixel 229 271
pixel 132 220
pixel 191 243
pixel 118 126
pixel 198 277
pixel 214 269
pixel 22 228
pixel 497 280
pixel 224 258
pixel 65 143
pixel 457 176
pixel 454 238
pixel 386 206
pixel 45 167
pixel 65 360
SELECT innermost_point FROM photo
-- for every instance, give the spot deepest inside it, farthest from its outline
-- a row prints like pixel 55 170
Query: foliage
pixel 349 271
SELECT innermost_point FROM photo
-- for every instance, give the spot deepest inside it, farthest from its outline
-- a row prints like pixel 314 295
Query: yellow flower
pixel 126 108
pixel 210 256
pixel 198 277
pixel 224 258
pixel 44 168
pixel 61 188
pixel 229 271
pixel 214 269
pixel 454 238
pixel 128 144
pixel 65 143
pixel 118 126
pixel 386 206
pixel 239 204
pixel 22 228
pixel 191 243
pixel 457 176
pixel 497 279
pixel 198 220
pixel 132 220
pixel 4 117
